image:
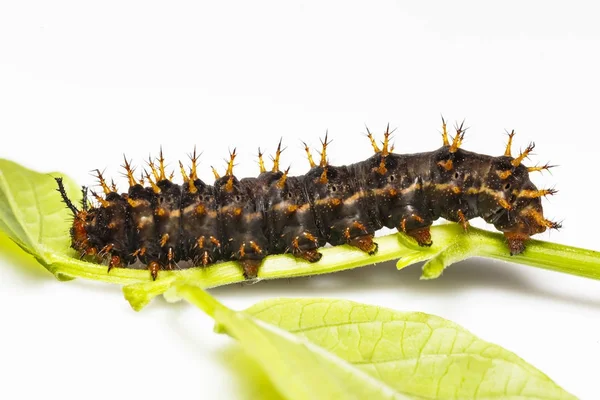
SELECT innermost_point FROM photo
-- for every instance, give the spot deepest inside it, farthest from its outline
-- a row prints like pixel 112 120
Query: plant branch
pixel 451 245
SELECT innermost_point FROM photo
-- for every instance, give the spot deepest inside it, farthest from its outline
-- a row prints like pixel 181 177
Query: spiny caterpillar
pixel 245 220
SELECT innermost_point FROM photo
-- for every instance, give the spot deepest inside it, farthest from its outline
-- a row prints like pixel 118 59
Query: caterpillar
pixel 161 224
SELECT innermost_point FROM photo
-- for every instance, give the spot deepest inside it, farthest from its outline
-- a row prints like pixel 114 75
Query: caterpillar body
pixel 163 225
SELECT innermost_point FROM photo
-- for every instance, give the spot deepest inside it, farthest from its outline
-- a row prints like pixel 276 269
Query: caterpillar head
pixel 518 210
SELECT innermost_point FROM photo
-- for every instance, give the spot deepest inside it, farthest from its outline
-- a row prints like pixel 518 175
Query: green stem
pixel 547 255
pixel 200 299
pixel 451 245
pixel 63 266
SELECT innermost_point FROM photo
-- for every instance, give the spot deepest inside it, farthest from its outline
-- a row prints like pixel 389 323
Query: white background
pixel 82 83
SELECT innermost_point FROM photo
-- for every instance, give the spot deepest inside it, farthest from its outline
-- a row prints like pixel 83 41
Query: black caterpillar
pixel 248 219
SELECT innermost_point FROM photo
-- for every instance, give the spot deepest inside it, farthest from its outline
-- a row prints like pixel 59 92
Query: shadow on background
pixel 15 257
pixel 473 273
pixel 249 379
pixel 245 375
pixel 31 273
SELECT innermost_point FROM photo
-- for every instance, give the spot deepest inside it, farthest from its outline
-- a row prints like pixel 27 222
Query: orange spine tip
pixel 540 168
pixel 508 151
pixel 230 164
pixel 102 182
pixel 129 171
pixel 445 138
pixel 538 217
pixel 215 173
pixel 553 225
pixel 517 161
pixel 261 162
pixel 309 156
pixel 277 157
pixel 376 148
pixel 282 180
pixel 183 173
pixel 155 188
pixel 100 200
pixel 458 139
pixel 323 153
pixel 194 160
pixel 153 169
pixel 386 141
pixel 161 166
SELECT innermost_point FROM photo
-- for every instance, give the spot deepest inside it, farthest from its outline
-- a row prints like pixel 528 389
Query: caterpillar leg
pixel 463 221
pixel 306 247
pixel 358 235
pixel 115 261
pixel 516 242
pixel 364 243
pixel 170 260
pixel 421 235
pixel 250 256
pixel 308 255
pixel 417 228
pixel 250 267
pixel 204 250
pixel 154 267
pixel 115 258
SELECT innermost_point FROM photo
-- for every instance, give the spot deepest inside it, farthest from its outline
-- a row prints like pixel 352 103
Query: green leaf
pixel 247 376
pixel 31 212
pixel 325 348
pixel 299 369
pixel 416 354
pixel 33 216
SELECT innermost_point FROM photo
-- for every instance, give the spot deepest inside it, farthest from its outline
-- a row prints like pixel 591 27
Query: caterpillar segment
pixel 160 225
